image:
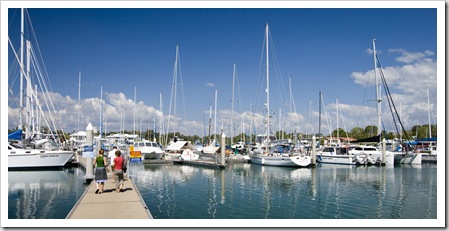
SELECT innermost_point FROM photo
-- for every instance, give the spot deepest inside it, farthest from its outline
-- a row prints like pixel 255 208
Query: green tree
pixel 370 131
pixel 357 133
pixel 341 133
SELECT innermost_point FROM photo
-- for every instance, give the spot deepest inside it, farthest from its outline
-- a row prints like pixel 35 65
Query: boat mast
pixel 79 101
pixel 210 123
pixel 161 126
pixel 134 123
pixel 101 99
pixel 251 124
pixel 215 117
pixel 338 133
pixel 290 102
pixel 232 112
pixel 428 112
pixel 310 105
pixel 378 93
pixel 268 86
pixel 175 82
pixel 21 71
pixel 29 91
pixel 173 97
pixel 319 119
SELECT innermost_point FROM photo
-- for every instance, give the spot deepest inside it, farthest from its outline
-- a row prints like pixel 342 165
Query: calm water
pixel 249 191
pixel 244 191
pixel 44 194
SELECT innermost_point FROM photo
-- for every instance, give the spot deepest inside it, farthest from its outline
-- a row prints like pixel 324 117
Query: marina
pixel 262 164
pixel 238 191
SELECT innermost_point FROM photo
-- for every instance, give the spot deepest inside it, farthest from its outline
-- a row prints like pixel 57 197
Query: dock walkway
pixel 110 204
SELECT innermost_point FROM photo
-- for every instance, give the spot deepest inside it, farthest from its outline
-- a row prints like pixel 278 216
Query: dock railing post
pixel 313 150
pixel 223 147
pixel 88 152
pixel 384 151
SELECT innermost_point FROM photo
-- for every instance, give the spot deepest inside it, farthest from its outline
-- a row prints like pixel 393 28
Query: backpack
pixel 124 167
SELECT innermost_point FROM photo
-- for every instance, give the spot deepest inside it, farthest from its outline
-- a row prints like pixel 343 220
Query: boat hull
pixel 151 156
pixel 407 158
pixel 188 154
pixel 38 158
pixel 283 161
pixel 336 159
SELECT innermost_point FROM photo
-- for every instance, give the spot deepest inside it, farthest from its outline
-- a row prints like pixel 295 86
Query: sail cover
pixel 373 139
pixel 16 135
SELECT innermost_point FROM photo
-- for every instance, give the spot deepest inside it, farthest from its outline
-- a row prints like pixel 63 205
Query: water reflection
pixel 246 191
pixel 43 194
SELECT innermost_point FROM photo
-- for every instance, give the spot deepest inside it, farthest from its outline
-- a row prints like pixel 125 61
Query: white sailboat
pixel 374 154
pixel 35 155
pixel 266 152
pixel 213 146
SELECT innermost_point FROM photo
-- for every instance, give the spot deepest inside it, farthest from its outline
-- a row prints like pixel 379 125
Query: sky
pixel 126 59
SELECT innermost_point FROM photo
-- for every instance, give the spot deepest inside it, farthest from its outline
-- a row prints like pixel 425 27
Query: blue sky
pixel 327 50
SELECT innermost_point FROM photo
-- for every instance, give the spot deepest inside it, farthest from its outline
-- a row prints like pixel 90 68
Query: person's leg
pixel 117 180
pixel 121 181
pixel 96 191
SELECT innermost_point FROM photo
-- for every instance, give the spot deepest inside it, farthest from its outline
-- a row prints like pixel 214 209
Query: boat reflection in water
pixel 43 194
pixel 248 191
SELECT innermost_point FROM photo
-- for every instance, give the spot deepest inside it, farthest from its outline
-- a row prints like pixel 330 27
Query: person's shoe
pixel 121 190
pixel 96 191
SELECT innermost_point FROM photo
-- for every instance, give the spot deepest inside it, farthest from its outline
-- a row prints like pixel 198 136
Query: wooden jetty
pixel 110 204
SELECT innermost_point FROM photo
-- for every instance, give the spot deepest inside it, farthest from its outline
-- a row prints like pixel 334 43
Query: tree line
pixel 416 132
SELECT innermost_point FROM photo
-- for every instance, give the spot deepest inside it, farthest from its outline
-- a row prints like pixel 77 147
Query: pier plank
pixel 110 204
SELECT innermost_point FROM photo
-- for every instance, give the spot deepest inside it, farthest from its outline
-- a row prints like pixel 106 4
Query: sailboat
pixel 176 148
pixel 238 149
pixel 399 156
pixel 428 146
pixel 270 151
pixel 213 146
pixel 30 152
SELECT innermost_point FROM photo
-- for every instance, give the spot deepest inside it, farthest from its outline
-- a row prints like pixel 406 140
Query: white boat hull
pixel 283 161
pixel 377 157
pixel 407 158
pixel 189 155
pixel 302 161
pixel 336 159
pixel 239 158
pixel 172 156
pixel 210 149
pixel 152 156
pixel 38 158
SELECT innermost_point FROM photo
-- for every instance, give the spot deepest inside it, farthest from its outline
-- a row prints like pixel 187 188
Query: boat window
pixel 154 145
pixel 328 150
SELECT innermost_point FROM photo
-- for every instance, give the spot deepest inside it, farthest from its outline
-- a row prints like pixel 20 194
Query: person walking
pixel 111 158
pixel 100 172
pixel 118 172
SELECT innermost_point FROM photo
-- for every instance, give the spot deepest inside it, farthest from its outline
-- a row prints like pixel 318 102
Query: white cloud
pixel 209 84
pixel 411 57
